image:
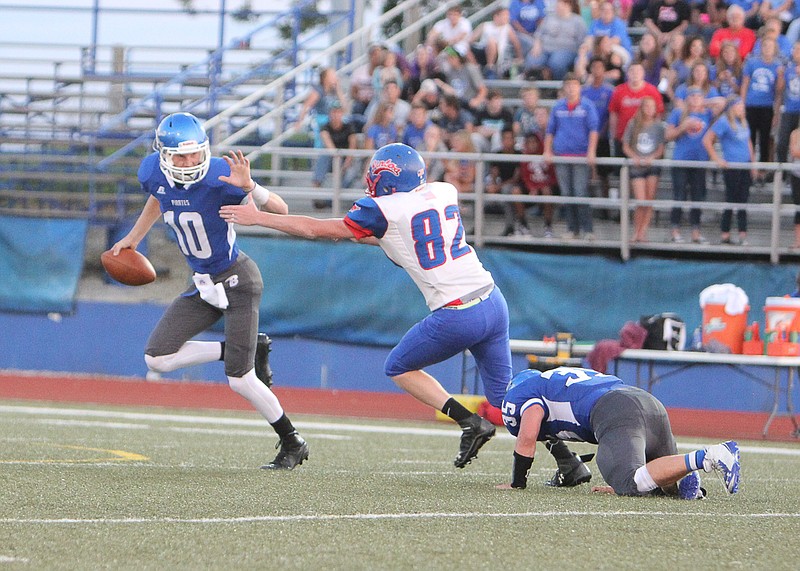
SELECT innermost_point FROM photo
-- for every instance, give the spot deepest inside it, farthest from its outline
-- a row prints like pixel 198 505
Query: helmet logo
pixel 386 165
pixel 183 144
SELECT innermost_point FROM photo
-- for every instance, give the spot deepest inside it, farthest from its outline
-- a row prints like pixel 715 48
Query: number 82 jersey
pixel 421 231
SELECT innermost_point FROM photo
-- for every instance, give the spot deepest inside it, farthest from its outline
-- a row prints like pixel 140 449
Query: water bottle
pixel 697 339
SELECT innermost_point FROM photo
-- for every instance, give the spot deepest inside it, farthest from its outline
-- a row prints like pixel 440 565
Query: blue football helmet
pixel 395 168
pixel 182 134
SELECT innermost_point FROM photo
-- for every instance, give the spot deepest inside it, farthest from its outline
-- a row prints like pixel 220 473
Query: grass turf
pixel 373 495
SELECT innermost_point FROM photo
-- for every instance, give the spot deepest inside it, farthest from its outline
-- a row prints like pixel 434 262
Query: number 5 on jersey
pixel 433 237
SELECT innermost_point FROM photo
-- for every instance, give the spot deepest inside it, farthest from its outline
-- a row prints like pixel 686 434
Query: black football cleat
pixel 476 432
pixel 575 475
pixel 263 348
pixel 293 451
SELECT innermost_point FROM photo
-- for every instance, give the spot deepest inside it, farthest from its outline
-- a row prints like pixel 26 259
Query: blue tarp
pixel 40 263
pixel 352 293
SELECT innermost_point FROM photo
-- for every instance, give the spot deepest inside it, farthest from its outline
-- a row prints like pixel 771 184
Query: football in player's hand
pixel 129 267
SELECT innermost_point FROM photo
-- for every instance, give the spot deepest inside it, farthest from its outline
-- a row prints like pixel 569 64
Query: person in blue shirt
pixel 599 91
pixel 687 127
pixel 525 16
pixel 636 451
pixel 573 132
pixel 733 134
pixel 790 98
pixel 762 80
pixel 608 24
pixel 188 187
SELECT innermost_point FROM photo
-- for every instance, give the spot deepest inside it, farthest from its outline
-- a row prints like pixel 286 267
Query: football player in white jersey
pixel 418 226
pixel 187 186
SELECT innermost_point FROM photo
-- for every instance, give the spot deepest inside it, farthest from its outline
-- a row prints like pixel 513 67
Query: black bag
pixel 665 331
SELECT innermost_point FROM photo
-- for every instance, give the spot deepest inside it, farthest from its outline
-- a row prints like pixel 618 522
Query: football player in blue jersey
pixel 418 226
pixel 187 187
pixel 636 451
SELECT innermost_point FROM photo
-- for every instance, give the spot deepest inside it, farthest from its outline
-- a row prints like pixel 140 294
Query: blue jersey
pixel 689 146
pixel 763 78
pixel 600 96
pixel 734 140
pixel 567 396
pixel 571 125
pixel 414 136
pixel 207 241
pixel 791 91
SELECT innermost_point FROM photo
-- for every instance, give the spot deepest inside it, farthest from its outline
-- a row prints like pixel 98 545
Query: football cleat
pixel 724 460
pixel 263 348
pixel 293 451
pixel 577 475
pixel 689 487
pixel 476 432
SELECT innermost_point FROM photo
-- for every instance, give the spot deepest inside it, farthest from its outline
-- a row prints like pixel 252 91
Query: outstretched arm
pixel 150 213
pixel 303 226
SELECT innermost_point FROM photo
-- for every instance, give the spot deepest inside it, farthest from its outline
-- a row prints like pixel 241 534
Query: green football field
pixel 103 487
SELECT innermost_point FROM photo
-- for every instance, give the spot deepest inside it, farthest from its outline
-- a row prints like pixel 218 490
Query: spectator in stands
pixel 524 119
pixel 383 130
pixel 750 10
pixel 460 172
pixel 421 67
pixel 319 101
pixel 361 88
pixel 525 17
pixel 418 124
pixel 433 143
pixel 643 142
pixel 793 31
pixel 648 54
pixel 729 68
pixel 777 9
pixel 454 31
pixel 625 102
pixel 386 72
pixel 537 178
pixel 335 135
pixel 772 30
pixel 614 59
pixel 464 80
pixel 687 127
pixel 672 51
pixel 503 178
pixel 390 94
pixel 608 24
pixel 490 122
pixel 666 18
pixel 598 91
pixel 762 80
pixel 556 42
pixel 491 43
pixel 794 180
pixel 698 78
pixel 572 132
pixel 428 94
pixel 733 134
pixel 790 104
pixel 694 51
pixel 744 38
pixel 452 118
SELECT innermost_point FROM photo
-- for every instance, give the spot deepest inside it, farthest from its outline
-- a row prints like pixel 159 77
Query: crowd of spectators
pixel 712 79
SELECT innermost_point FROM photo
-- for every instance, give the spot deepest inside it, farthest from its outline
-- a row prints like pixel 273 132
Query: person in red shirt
pixel 625 102
pixel 744 38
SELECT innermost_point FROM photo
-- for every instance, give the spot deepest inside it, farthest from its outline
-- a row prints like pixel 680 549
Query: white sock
pixel 644 481
pixel 191 353
pixel 263 399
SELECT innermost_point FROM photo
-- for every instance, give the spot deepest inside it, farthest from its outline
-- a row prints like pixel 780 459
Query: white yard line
pixel 368 427
pixel 392 516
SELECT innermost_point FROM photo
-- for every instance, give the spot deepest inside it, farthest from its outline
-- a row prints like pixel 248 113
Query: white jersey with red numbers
pixel 421 231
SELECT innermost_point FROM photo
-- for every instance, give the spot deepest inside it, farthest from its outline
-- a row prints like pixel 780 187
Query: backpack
pixel 665 331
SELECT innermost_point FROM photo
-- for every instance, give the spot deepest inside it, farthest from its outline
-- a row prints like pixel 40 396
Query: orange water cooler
pixel 724 328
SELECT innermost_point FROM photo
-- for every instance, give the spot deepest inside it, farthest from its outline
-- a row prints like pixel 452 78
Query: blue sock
pixel 694 460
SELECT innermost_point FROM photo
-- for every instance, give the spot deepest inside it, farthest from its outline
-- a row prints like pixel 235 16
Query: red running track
pixel 716 425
